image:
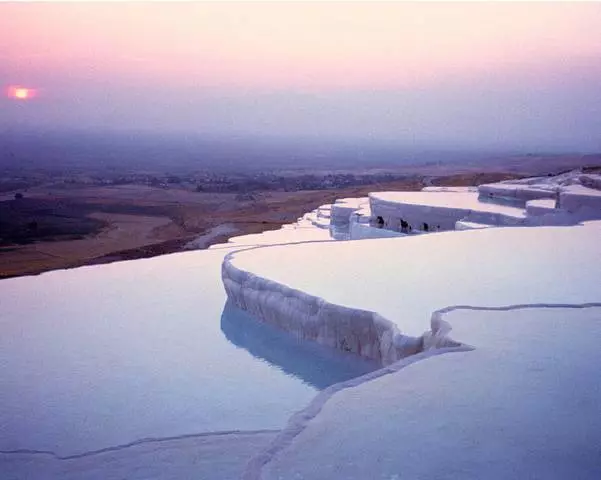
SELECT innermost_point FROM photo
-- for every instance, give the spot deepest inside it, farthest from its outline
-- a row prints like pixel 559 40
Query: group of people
pixel 404 226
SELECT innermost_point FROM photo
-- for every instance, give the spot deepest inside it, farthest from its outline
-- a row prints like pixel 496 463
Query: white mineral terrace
pixel 343 208
pixel 375 297
pixel 524 403
pixel 466 201
pixel 562 200
pixel 491 338
pixel 440 210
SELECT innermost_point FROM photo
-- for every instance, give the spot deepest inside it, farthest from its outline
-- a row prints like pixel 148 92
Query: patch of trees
pixel 25 220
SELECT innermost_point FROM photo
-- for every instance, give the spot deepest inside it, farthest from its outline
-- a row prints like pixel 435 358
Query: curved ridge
pixel 134 443
pixel 299 421
pixel 308 317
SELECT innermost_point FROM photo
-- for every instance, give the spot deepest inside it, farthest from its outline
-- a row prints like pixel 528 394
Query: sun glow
pixel 20 93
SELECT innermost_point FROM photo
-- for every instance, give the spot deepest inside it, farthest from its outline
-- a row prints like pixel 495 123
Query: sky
pixel 507 75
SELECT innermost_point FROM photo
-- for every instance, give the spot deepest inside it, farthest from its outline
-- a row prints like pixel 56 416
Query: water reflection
pixel 314 364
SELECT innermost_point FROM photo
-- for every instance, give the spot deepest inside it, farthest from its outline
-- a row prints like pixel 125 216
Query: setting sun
pixel 20 93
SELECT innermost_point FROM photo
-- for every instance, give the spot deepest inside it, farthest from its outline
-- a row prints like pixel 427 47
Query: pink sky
pixel 312 45
pixel 188 50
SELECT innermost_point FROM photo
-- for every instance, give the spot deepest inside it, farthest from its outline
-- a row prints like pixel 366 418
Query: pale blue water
pixel 100 356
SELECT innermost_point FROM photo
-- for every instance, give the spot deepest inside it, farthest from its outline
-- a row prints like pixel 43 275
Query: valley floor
pixel 142 222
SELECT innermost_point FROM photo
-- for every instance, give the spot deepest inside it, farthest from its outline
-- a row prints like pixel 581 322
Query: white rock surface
pixel 523 404
pixel 465 225
pixel 577 197
pixel 343 208
pixel 362 231
pixel 440 209
pixel 319 217
pixel 542 206
pixel 211 457
pixel 574 190
pixel 565 199
pixel 518 191
pixel 344 295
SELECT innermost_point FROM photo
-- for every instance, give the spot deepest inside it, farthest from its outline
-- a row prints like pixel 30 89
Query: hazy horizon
pixel 495 76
